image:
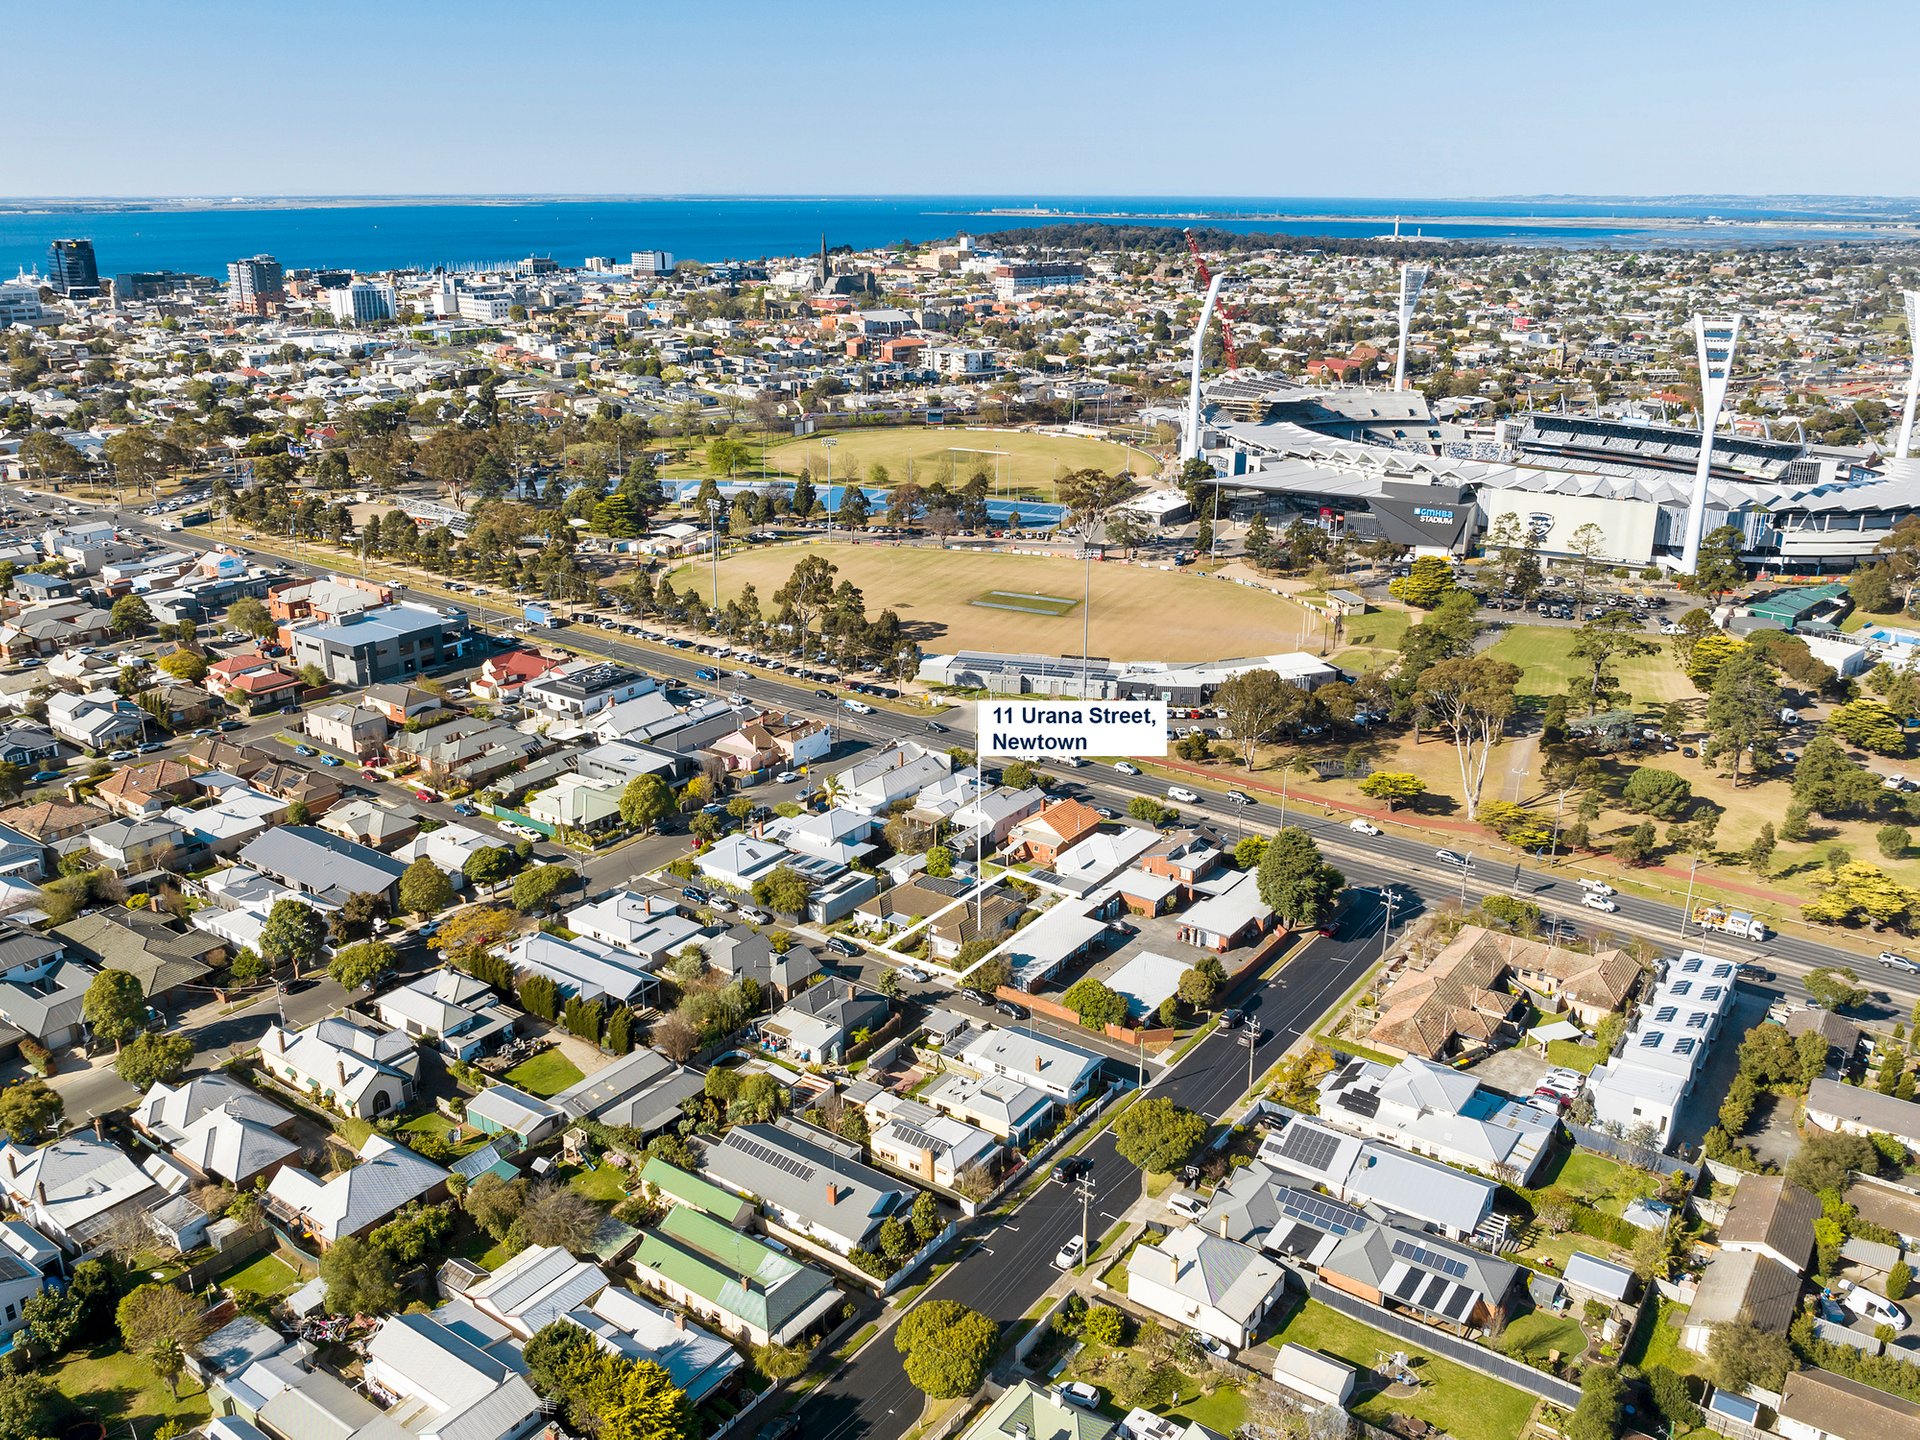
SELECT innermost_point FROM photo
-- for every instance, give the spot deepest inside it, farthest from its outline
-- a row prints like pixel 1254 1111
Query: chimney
pixel 99 1127
pixel 341 1066
pixel 679 1320
pixel 833 1193
pixel 39 1193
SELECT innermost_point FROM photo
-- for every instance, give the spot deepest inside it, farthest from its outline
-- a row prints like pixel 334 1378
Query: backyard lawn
pixel 438 1125
pixel 1604 1184
pixel 546 1074
pixel 1539 1332
pixel 602 1182
pixel 1657 1341
pixel 1571 1055
pixel 123 1390
pixel 1460 1401
pixel 267 1277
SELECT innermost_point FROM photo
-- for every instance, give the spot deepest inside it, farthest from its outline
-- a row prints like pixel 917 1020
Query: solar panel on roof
pixel 1458 1304
pixel 1328 1216
pixel 1406 1285
pixel 1430 1259
pixel 1431 1293
pixel 1312 1148
pixel 767 1155
pixel 1361 1102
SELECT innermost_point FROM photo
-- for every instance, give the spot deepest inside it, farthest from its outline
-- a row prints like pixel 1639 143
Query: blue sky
pixel 1335 98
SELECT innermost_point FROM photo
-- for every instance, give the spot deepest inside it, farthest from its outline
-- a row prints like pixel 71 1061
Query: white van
pixel 1869 1306
pixel 1183 795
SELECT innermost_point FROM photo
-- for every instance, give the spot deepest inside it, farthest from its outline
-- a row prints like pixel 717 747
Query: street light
pixel 1085 1188
pixel 827 442
pixel 1686 913
pixel 713 517
pixel 1249 1037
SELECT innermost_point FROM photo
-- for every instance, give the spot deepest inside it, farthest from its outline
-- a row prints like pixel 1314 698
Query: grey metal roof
pixel 806 1177
pixel 321 863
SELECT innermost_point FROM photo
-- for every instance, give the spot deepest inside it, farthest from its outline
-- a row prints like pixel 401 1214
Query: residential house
pixel 28 746
pixel 907 904
pixel 990 918
pixel 872 786
pixel 1585 986
pixel 646 926
pixel 544 1283
pixel 808 1181
pixel 40 990
pixel 50 821
pixel 313 862
pixel 767 743
pixel 354 1066
pixel 836 835
pixel 1642 1086
pixel 916 1139
pixel 52 628
pixel 1205 1282
pixel 370 823
pixel 1088 865
pixel 465 1017
pixel 581 689
pixel 96 720
pixel 584 967
pixel 578 802
pixel 75 1189
pixel 671 1185
pixel 819 1024
pixel 257 689
pixel 1042 839
pixel 147 947
pixel 448 1386
pixel 20 1281
pixel 465 752
pixel 1457 1004
pixel 1437 1282
pixel 145 790
pixel 619 762
pixel 389 643
pixel 348 729
pixel 400 704
pixel 317 790
pixel 1437 1111
pixel 1028 1410
pixel 1054 1067
pixel 219 1128
pixel 503 677
pixel 450 847
pixel 505 1110
pixel 642 1090
pixel 1773 1216
pixel 1859 1110
pixel 1741 1285
pixel 1016 1113
pixel 1820 1405
pixel 1369 1172
pixel 128 847
pixel 740 1284
pixel 749 955
pixel 211 752
pixel 239 815
pixel 1182 856
pixel 387 1177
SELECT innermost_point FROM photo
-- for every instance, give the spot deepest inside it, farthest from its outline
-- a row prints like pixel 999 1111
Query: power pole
pixel 1085 1186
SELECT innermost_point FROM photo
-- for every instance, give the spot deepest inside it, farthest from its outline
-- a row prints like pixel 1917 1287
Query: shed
pixel 1591 1275
pixel 1318 1377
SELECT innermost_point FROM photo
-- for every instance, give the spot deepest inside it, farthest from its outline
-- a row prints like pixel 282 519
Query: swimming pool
pixel 1883 635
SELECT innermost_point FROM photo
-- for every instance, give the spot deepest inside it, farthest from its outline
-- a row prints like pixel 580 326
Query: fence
pixel 1641 1157
pixel 1052 1143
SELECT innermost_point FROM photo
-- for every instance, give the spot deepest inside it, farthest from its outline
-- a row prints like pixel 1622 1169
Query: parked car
pixel 786 777
pixel 1187 1204
pixel 844 947
pixel 1071 1254
pixel 1071 1169
pixel 305 750
pixel 694 893
pixel 464 809
pixel 331 760
pixel 1078 1392
pixel 1010 1010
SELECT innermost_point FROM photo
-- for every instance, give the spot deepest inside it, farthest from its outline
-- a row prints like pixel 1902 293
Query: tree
pixel 1894 841
pixel 1853 891
pixel 148 1060
pixel 357 916
pixel 939 862
pixel 647 1406
pixel 493 1203
pixel 1829 780
pixel 1428 581
pixel 115 1007
pixel 888 983
pixel 184 665
pixel 1718 568
pixel 1828 1161
pixel 249 615
pixel 1295 881
pixel 1598 644
pixel 154 1314
pixel 947 1347
pixel 556 1214
pixel 1742 1355
pixel 488 866
pixel 1870 725
pixel 359 1278
pixel 925 1216
pixel 1899 1280
pixel 1834 987
pixel 357 966
pixel 425 888
pixel 1706 654
pixel 1470 699
pixel 1637 846
pixel 130 615
pixel 1396 787
pixel 784 889
pixel 294 932
pixel 534 890
pixel 1597 1416
pixel 1196 988
pixel 1096 1003
pixel 1256 703
pixel 29 1109
pixel 645 802
pixel 1659 793
pixel 1158 1135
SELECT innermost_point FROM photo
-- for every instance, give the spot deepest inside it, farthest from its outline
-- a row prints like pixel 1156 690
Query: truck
pixel 1730 922
pixel 542 616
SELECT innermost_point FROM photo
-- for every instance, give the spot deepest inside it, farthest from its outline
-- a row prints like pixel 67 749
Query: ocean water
pixel 377 236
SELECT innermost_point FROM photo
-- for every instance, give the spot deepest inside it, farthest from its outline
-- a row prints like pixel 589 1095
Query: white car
pixel 1125 769
pixel 1567 1082
pixel 1363 827
pixel 1078 1392
pixel 1597 887
pixel 1869 1306
pixel 1071 1254
pixel 1183 795
pixel 1188 1204
pixel 738 702
pixel 1210 1344
pixel 1594 901
pixel 913 973
pixel 1898 962
pixel 786 777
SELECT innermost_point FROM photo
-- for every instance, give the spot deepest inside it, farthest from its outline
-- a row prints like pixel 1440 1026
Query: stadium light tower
pixel 1190 443
pixel 1912 298
pixel 1714 336
pixel 1413 279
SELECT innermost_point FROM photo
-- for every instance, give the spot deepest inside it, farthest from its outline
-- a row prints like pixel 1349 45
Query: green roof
pixel 1791 605
pixel 1025 1411
pixel 694 1190
pixel 735 1272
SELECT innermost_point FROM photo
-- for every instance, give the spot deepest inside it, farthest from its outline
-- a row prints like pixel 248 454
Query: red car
pixel 425 795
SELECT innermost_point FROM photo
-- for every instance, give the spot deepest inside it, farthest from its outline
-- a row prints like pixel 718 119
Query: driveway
pixel 1518 1070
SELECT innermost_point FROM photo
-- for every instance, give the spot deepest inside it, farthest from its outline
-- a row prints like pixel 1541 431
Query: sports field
pixel 954 599
pixel 924 454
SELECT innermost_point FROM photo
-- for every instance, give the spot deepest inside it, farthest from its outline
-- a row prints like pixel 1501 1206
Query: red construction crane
pixel 1226 312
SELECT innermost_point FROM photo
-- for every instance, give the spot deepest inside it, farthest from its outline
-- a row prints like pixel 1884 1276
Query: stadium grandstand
pixel 1377 464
